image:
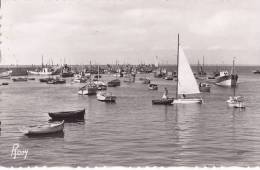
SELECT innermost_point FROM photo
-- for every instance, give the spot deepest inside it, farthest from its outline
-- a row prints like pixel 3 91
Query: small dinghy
pixel 50 128
pixel 68 115
pixel 106 97
pixel 153 87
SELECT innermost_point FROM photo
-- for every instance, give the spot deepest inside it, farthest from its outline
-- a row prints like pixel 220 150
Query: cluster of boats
pixel 187 88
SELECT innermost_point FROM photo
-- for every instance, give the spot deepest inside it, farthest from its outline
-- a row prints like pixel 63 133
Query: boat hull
pixel 40 73
pixel 110 99
pixel 163 101
pixel 43 130
pixel 88 91
pixel 187 101
pixel 68 115
pixel 204 89
pixel 226 81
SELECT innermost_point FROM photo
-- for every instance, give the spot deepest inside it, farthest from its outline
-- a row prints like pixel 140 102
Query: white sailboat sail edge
pixel 186 80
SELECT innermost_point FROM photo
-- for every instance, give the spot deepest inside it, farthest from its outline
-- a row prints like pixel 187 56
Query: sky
pixel 130 31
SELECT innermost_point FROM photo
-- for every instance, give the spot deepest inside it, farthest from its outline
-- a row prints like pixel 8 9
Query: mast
pixel 177 87
pixel 203 66
pixel 98 72
pixel 233 72
pixel 42 61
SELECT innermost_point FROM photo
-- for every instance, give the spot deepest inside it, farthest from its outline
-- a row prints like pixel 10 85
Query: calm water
pixel 133 132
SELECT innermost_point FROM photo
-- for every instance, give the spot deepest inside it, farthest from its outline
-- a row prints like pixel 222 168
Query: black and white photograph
pixel 129 83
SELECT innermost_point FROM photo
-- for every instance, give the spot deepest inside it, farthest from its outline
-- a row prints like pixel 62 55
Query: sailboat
pixel 100 84
pixel 186 82
pixel 235 101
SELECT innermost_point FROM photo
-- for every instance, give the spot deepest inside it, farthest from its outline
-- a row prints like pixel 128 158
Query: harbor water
pixel 132 131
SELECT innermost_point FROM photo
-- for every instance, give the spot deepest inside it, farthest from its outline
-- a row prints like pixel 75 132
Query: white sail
pixel 187 82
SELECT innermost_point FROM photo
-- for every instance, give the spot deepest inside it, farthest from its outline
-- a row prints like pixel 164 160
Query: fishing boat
pixel 44 71
pixel 68 115
pixel 114 83
pixel 153 87
pixel 50 128
pixel 20 79
pixel 106 97
pixel 66 71
pixel 204 87
pixel 227 79
pixel 89 89
pixel 256 71
pixel 186 82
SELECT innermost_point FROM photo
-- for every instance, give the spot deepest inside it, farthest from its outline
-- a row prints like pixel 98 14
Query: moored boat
pixel 68 115
pixel 56 81
pixel 256 71
pixel 44 71
pixel 204 87
pixel 236 102
pixel 114 83
pixel 106 97
pixel 20 79
pixel 167 101
pixel 89 89
pixel 43 129
pixel 153 87
pixel 45 80
pixel 5 83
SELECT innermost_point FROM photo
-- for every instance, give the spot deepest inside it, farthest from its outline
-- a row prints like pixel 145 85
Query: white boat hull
pixel 106 98
pixel 187 101
pixel 225 83
pixel 235 104
pixel 86 92
pixel 46 129
pixel 39 73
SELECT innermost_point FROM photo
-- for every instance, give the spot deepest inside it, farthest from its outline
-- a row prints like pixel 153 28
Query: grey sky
pixel 130 31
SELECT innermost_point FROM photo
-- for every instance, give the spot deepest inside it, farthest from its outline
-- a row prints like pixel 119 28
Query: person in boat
pixel 165 95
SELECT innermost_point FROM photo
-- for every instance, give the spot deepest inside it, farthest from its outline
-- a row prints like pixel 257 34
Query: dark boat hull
pixel 163 101
pixel 68 115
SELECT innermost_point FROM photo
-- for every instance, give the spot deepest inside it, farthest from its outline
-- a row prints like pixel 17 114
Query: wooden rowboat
pixel 68 115
pixel 50 128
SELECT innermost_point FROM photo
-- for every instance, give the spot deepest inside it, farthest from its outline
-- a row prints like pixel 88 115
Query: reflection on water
pixel 132 132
